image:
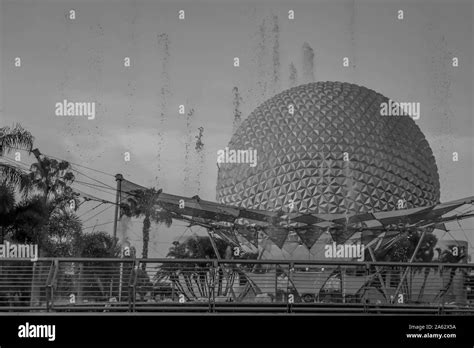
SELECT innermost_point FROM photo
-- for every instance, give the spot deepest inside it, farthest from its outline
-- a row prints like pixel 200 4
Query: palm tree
pixel 47 185
pixel 193 279
pixel 145 203
pixel 11 176
pixel 48 178
pixel 45 190
pixel 7 206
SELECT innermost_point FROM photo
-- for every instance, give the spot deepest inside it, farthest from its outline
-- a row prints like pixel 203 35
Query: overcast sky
pixel 190 62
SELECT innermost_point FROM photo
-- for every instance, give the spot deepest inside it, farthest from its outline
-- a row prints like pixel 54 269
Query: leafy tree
pixel 7 206
pixel 26 222
pixel 92 278
pixel 64 235
pixel 197 247
pixel 404 247
pixel 99 245
pixel 7 200
pixel 51 180
pixel 19 223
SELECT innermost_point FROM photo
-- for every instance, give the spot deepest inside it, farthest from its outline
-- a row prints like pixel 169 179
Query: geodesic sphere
pixel 335 154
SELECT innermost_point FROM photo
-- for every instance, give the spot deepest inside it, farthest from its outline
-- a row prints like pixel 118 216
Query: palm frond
pixel 15 138
pixel 11 174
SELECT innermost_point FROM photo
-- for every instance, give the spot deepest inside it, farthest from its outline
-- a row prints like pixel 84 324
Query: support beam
pixel 214 246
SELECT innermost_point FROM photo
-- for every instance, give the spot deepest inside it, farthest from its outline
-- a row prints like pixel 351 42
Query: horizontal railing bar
pixel 247 261
pixel 195 285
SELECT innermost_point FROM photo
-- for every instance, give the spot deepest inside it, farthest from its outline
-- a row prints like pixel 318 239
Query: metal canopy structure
pixel 230 221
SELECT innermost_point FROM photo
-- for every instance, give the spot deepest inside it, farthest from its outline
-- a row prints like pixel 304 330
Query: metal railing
pixel 169 285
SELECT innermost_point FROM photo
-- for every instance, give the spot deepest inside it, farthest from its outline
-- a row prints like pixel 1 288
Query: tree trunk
pixel 146 238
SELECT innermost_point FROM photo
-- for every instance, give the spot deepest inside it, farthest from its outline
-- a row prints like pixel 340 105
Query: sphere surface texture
pixel 334 153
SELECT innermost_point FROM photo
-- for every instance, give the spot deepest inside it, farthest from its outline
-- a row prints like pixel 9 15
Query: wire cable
pixel 62 159
pixel 92 187
pixel 87 212
pixel 16 164
pixel 85 194
pixel 100 182
pixel 102 224
pixel 100 212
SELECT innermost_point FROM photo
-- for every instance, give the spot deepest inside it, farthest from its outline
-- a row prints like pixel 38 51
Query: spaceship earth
pixel 325 148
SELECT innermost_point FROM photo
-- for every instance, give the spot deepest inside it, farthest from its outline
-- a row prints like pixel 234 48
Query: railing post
pixel 443 294
pixel 276 282
pixel 132 285
pixel 441 304
pixel 212 293
pixel 172 291
pixel 48 286
pixel 367 274
pixel 342 271
pixel 50 281
pixel 291 269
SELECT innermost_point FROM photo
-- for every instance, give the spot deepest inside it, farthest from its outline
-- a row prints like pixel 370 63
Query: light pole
pixel 118 197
